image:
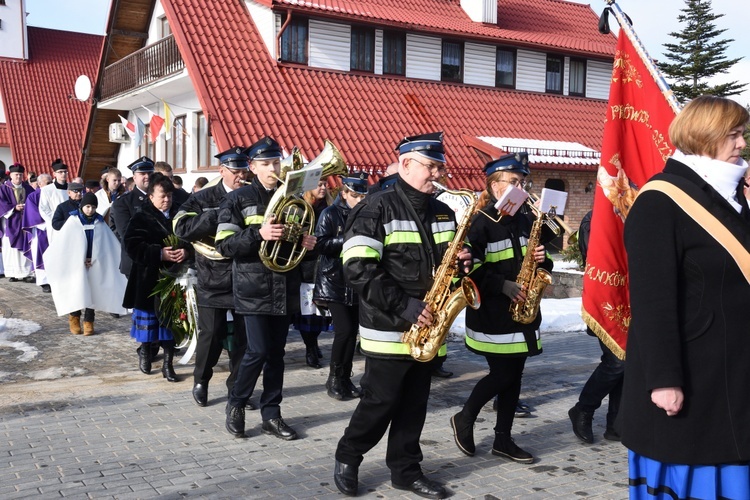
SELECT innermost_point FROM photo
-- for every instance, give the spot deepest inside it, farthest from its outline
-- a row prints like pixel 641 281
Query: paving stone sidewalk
pixel 79 420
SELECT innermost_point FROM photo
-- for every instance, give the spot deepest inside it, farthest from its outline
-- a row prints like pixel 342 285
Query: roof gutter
pixel 281 32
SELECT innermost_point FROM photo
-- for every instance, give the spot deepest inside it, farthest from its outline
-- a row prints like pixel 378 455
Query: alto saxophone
pixel 532 278
pixel 424 342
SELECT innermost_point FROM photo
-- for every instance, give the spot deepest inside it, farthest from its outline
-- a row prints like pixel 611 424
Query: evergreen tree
pixel 698 55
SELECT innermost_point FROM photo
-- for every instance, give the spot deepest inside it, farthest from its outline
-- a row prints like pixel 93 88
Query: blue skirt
pixel 145 327
pixel 650 479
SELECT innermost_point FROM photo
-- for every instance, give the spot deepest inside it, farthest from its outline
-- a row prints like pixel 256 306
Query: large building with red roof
pixel 39 119
pixel 495 75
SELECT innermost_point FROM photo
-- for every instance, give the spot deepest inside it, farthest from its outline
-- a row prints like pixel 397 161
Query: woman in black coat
pixel 144 244
pixel 685 408
pixel 331 290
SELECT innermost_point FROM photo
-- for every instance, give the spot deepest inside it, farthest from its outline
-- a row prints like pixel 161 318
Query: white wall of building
pixel 6 157
pixel 14 42
pixel 264 20
pixel 2 110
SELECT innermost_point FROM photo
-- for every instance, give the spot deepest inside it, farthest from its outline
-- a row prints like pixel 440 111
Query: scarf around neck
pixel 722 176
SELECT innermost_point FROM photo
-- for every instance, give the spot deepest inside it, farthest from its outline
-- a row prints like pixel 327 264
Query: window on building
pixel 147 148
pixel 505 68
pixel 206 145
pixel 577 85
pixel 453 62
pixel 164 29
pixel 554 79
pixel 394 53
pixel 176 147
pixel 294 41
pixel 363 49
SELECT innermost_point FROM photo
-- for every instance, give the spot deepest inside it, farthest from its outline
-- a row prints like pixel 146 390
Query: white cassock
pixel 13 262
pixel 74 286
pixel 103 203
pixel 49 198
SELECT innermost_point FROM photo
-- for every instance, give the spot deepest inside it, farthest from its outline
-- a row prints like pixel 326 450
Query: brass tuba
pixel 293 212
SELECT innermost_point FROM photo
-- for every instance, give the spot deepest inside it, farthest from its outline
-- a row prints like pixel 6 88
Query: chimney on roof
pixel 13 35
pixel 481 11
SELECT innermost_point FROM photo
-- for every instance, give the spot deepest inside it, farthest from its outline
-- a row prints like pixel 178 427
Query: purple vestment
pixel 13 223
pixel 31 219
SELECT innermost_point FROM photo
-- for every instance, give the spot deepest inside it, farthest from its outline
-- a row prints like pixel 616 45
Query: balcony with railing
pixel 143 67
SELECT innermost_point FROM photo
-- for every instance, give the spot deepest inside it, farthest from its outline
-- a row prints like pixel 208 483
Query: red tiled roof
pixel 43 123
pixel 546 23
pixel 365 116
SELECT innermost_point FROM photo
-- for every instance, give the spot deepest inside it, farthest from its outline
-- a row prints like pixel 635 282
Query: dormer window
pixel 452 69
pixel 505 68
pixel 294 41
pixel 363 49
pixel 554 80
pixel 577 84
pixel 394 53
pixel 164 30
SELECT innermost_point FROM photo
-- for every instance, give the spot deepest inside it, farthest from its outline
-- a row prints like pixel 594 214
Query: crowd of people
pixel 369 264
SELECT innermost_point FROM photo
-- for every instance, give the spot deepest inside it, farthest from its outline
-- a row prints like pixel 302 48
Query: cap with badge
pixel 16 168
pixel 143 164
pixel 428 145
pixel 58 165
pixel 265 149
pixel 75 186
pixel 356 181
pixel 235 158
pixel 513 162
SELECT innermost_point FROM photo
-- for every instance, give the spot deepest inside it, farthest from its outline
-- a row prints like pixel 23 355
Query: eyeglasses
pixel 76 190
pixel 433 168
pixel 514 182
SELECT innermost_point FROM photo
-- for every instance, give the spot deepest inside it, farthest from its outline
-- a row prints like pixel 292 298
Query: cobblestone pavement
pixel 79 420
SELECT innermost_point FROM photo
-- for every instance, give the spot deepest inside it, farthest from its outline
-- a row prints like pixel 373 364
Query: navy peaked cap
pixel 513 162
pixel 235 158
pixel 429 145
pixel 142 164
pixel 356 181
pixel 264 149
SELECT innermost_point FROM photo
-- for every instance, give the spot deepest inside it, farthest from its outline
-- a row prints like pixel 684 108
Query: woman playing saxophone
pixel 499 246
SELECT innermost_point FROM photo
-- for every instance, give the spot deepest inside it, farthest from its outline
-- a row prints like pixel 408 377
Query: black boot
pixel 144 357
pixel 463 433
pixel 581 421
pixel 334 383
pixel 167 370
pixel 311 358
pixel 611 433
pixel 348 388
pixel 504 446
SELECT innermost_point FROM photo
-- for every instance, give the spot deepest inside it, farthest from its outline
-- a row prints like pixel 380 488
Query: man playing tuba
pixel 264 297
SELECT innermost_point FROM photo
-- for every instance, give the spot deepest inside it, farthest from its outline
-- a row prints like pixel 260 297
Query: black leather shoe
pixel 504 446
pixel 13 280
pixel 581 421
pixel 29 279
pixel 277 427
pixel 522 411
pixel 250 406
pixel 610 434
pixel 440 373
pixel 46 289
pixel 424 487
pixel 200 394
pixel 235 420
pixel 346 478
pixel 311 358
pixel 463 433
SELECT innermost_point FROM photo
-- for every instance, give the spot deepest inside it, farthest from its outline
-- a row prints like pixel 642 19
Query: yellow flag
pixel 167 121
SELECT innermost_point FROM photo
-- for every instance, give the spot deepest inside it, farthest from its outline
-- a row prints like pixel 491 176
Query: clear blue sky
pixel 653 20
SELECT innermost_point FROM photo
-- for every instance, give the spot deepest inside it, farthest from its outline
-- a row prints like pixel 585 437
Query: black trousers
pixel 212 325
pixel 395 393
pixel 605 380
pixel 345 328
pixel 503 380
pixel 88 314
pixel 266 339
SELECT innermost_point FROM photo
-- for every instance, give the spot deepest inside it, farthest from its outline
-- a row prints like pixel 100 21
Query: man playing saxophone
pixel 499 243
pixel 394 241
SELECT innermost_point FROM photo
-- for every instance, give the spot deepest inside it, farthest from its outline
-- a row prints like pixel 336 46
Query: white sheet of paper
pixel 551 198
pixel 511 200
pixel 301 181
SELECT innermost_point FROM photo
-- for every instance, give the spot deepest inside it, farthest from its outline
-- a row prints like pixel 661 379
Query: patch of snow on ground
pixel 56 373
pixel 12 327
pixel 566 266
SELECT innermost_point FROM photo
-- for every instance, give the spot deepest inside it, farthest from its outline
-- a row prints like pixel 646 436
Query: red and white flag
pixel 635 146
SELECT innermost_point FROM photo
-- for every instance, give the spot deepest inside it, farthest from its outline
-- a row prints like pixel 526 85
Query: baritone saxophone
pixel 424 342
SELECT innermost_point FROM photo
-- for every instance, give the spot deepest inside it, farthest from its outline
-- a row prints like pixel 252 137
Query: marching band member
pixel 500 245
pixel 197 220
pixel 394 242
pixel 265 298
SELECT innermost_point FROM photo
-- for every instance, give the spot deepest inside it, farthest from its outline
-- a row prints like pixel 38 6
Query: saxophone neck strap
pixel 707 221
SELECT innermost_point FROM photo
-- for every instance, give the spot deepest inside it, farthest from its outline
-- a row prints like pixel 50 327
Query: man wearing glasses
pixel 394 241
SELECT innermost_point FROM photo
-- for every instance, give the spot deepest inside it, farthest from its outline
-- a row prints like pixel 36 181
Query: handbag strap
pixel 707 221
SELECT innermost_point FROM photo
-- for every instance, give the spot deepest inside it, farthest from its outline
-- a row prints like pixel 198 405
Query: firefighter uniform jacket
pixel 498 249
pixel 257 289
pixel 386 261
pixel 196 220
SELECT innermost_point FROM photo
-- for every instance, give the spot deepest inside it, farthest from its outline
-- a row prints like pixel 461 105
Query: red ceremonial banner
pixel 635 146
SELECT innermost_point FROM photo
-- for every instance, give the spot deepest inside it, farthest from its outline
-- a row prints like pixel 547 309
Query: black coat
pixel 257 289
pixel 196 220
pixel 144 240
pixel 689 328
pixel 120 214
pixel 309 263
pixel 62 212
pixel 330 285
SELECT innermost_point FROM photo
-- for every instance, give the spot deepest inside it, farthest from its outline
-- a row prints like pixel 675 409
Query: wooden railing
pixel 140 68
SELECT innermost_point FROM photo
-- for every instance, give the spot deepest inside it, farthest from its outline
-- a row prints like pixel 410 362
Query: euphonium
pixel 424 342
pixel 293 212
pixel 532 278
